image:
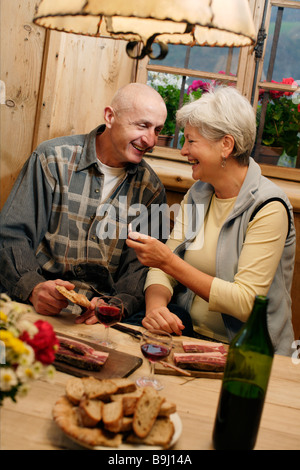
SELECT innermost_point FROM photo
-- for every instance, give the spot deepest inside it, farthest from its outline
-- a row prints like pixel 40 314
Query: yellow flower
pixel 14 343
pixel 3 316
pixel 5 335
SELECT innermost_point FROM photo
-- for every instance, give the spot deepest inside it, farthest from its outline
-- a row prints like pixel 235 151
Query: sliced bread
pixel 160 434
pixel 124 385
pixel 74 390
pixel 129 401
pixel 146 411
pixel 112 416
pixel 101 389
pixel 90 412
pixel 167 408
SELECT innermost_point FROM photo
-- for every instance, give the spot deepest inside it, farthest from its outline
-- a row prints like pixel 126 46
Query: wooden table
pixel 28 424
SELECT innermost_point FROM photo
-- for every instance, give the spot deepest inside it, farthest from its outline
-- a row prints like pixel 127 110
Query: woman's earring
pixel 223 163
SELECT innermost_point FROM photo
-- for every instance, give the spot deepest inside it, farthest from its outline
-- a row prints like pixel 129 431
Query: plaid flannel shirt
pixel 49 226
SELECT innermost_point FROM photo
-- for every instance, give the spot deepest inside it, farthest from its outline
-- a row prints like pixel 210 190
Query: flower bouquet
pixel 27 349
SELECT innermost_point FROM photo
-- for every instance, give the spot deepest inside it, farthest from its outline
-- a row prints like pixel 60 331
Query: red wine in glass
pixel 108 315
pixel 109 311
pixel 155 352
pixel 156 345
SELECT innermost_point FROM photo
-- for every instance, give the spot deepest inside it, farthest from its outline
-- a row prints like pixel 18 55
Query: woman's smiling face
pixel 204 155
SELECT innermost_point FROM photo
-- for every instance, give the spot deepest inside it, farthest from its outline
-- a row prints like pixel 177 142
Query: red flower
pixel 44 343
pixel 288 81
pixel 198 84
pixel 275 94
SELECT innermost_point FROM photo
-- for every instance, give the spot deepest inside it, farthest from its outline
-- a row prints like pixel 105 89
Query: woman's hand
pixel 150 252
pixel 161 318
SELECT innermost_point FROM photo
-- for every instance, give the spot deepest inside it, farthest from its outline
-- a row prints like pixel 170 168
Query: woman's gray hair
pixel 220 112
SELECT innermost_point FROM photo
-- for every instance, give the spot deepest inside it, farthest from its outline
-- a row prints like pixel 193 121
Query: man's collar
pixel 89 155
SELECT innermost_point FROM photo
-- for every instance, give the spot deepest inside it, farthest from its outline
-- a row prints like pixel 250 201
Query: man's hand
pixel 47 300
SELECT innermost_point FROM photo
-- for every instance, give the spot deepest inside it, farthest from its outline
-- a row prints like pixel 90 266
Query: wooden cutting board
pixel 160 369
pixel 118 364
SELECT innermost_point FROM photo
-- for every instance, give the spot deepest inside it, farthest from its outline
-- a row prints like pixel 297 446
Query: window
pixel 266 75
pixel 278 108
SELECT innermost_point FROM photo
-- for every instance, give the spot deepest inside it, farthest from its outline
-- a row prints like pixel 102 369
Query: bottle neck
pixel 255 330
pixel 258 316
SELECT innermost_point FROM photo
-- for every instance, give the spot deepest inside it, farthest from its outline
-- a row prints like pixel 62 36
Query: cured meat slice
pixel 214 361
pixel 75 346
pixel 203 346
pixel 80 355
pixel 86 362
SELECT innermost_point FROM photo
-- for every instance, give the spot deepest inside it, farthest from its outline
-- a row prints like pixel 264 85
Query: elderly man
pixel 65 221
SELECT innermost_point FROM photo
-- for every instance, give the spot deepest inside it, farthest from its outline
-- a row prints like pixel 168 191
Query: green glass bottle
pixel 245 383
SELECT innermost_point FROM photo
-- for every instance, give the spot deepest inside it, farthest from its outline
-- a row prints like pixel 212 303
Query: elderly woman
pixel 246 243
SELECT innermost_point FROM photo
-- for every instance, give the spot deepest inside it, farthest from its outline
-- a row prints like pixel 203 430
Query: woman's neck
pixel 231 181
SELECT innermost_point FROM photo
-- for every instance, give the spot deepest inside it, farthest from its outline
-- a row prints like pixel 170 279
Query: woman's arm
pixel 257 266
pixel 157 314
pixel 153 253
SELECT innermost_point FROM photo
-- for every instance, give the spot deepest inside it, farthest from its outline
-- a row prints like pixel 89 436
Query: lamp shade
pixel 190 22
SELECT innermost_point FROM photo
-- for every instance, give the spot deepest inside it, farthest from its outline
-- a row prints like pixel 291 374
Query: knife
pixel 126 329
pixel 130 331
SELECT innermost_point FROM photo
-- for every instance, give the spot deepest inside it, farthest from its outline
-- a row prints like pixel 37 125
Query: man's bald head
pixel 133 93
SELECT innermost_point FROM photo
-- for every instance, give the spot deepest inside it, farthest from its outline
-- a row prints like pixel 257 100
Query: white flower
pixel 13 330
pixel 38 369
pixel 31 372
pixel 25 325
pixel 163 79
pixel 50 371
pixel 8 379
pixel 28 357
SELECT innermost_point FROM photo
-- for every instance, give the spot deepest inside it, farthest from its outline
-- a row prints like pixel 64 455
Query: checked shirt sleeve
pixel 22 226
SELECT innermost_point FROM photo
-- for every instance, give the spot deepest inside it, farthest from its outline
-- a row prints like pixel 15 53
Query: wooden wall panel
pixel 80 76
pixel 22 46
pixel 56 84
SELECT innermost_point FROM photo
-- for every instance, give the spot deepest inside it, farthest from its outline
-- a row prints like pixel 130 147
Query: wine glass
pixel 109 311
pixel 155 346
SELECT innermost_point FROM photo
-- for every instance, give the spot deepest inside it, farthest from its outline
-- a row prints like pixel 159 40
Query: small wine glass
pixel 155 345
pixel 109 311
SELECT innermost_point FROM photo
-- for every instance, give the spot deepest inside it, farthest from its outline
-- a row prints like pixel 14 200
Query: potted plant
pixel 169 86
pixel 281 135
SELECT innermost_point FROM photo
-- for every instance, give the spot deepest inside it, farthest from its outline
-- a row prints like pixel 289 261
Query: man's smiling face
pixel 134 129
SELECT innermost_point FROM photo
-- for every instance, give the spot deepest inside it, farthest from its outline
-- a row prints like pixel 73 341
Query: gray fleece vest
pixel 255 192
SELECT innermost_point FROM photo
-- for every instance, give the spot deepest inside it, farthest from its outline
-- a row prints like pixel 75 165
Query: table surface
pixel 28 424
